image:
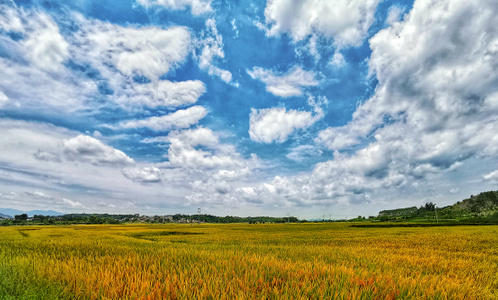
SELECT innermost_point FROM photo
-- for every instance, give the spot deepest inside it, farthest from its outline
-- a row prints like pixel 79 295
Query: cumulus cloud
pixel 46 47
pixel 434 79
pixel 71 203
pixel 346 21
pixel 47 156
pixel 212 46
pixel 276 124
pixel 179 119
pixel 145 51
pixel 182 151
pixel 212 166
pixel 122 54
pixel 284 85
pixel 186 156
pixel 229 175
pixel 436 102
pixel 193 137
pixel 88 149
pixel 345 179
pixel 33 65
pixel 341 137
pixel 162 93
pixel 197 6
pixel 144 175
pixel 435 107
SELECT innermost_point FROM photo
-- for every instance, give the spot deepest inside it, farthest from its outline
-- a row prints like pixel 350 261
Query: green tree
pixel 22 217
pixel 429 206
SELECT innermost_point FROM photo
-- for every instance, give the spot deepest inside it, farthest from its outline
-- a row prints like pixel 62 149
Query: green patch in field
pixel 153 235
pixel 24 233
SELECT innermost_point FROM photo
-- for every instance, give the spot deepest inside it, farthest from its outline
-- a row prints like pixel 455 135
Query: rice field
pixel 242 261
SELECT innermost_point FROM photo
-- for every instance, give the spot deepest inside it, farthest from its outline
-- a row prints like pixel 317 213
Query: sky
pixel 313 108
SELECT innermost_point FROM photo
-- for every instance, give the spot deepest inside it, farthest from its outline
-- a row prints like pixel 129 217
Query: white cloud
pixel 303 153
pixel 276 124
pixel 179 119
pixel 197 6
pixel 285 85
pixel 434 108
pixel 3 99
pixel 88 149
pixel 235 30
pixel 144 174
pixel 339 137
pixel 32 89
pixel 145 51
pixel 337 60
pixel 230 175
pixel 212 46
pixel 193 137
pixel 38 194
pixel 33 72
pixel 71 203
pixel 346 21
pixel 122 53
pixel 492 177
pixel 46 47
pixel 184 155
pixel 161 93
pixel 394 14
pixel 208 170
pixel 435 105
pixel 435 73
pixel 90 183
pixel 10 19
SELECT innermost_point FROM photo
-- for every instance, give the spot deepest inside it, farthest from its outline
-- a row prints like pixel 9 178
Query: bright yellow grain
pixel 266 261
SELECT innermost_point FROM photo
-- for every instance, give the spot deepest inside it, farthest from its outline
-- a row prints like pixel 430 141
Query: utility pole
pixel 435 209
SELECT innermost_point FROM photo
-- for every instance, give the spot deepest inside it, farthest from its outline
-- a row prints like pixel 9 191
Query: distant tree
pixel 22 217
pixel 429 206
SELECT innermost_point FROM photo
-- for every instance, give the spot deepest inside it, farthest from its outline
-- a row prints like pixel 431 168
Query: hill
pixel 482 208
pixel 10 212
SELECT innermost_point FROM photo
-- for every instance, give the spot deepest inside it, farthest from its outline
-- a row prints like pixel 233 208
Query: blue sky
pixel 337 108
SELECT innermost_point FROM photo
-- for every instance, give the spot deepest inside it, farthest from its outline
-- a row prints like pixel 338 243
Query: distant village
pixel 68 219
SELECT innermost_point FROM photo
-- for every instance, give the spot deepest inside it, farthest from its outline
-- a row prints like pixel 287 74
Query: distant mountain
pixel 2 216
pixel 10 212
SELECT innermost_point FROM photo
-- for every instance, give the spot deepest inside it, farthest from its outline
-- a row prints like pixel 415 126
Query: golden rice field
pixel 242 261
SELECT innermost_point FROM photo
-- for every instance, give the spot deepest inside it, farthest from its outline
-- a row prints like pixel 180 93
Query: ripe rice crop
pixel 242 261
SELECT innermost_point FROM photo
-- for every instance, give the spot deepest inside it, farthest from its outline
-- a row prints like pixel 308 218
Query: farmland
pixel 248 261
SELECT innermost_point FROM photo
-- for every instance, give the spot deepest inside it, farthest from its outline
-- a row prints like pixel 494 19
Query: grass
pixel 264 261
